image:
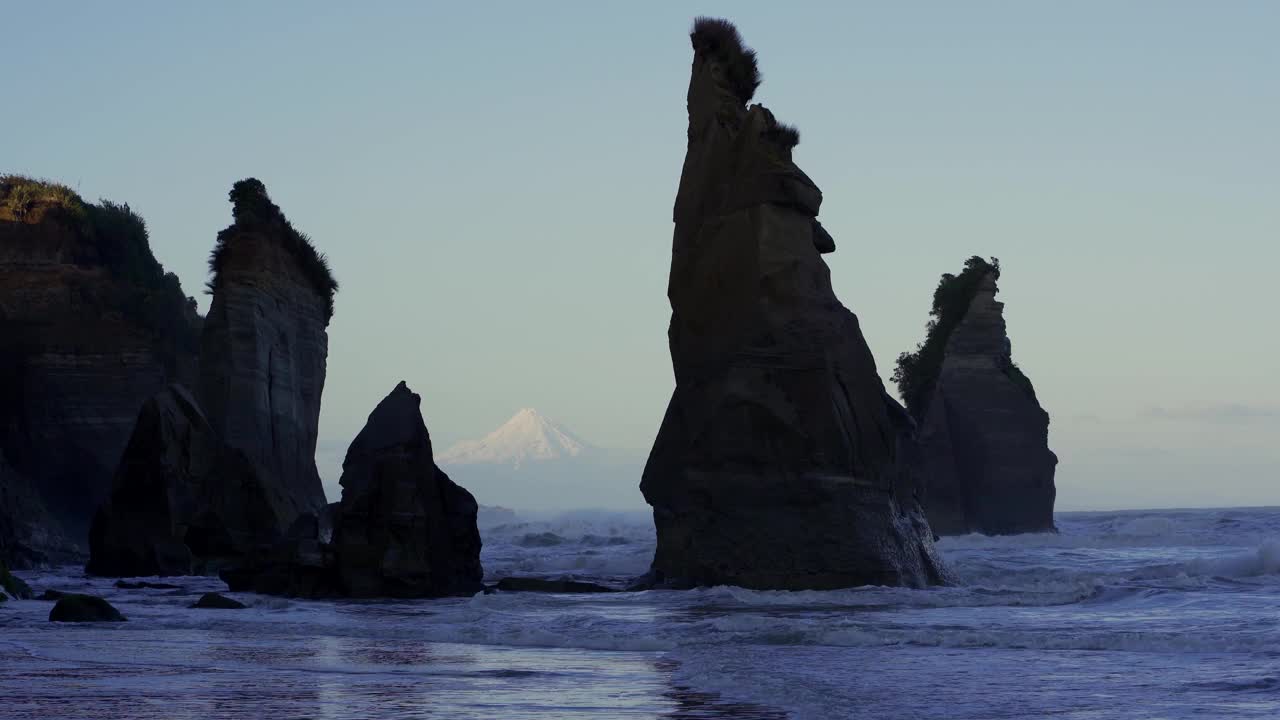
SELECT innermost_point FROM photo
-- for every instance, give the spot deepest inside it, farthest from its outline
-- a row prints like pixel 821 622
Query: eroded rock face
pixel 777 464
pixel 264 346
pixel 29 535
pixel 984 449
pixel 90 327
pixel 183 502
pixel 403 528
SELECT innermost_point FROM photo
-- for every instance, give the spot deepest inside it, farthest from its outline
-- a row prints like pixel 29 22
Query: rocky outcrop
pixel 264 347
pixel 402 528
pixel 777 464
pixel 215 601
pixel 84 608
pixel 90 326
pixel 183 502
pixel 984 450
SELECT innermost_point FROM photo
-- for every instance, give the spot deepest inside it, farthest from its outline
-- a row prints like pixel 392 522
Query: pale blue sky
pixel 493 183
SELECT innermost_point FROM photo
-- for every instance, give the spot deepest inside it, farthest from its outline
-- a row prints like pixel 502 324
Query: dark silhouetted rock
pixel 521 584
pixel 84 608
pixel 90 327
pixel 214 601
pixel 264 346
pixel 984 448
pixel 13 584
pixel 777 464
pixel 183 502
pixel 299 565
pixel 403 528
pixel 53 595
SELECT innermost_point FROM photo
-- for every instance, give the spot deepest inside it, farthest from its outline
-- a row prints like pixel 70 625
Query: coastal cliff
pixel 265 344
pixel 90 326
pixel 983 437
pixel 777 465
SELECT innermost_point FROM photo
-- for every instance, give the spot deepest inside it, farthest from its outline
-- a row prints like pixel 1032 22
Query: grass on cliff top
pixel 21 195
pixel 153 298
pixel 916 372
pixel 253 210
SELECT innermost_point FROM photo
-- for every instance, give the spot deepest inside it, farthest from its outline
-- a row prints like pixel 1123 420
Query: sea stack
pixel 403 528
pixel 777 465
pixel 264 346
pixel 91 325
pixel 983 439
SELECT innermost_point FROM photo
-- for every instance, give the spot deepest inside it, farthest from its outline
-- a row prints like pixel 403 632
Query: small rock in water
pixel 52 595
pixel 126 585
pixel 518 584
pixel 214 601
pixel 3 597
pixel 84 608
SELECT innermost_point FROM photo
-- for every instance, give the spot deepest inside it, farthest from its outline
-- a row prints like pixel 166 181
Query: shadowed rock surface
pixel 777 464
pixel 84 608
pixel 183 502
pixel 13 585
pixel 90 327
pixel 523 584
pixel 402 528
pixel 984 437
pixel 264 346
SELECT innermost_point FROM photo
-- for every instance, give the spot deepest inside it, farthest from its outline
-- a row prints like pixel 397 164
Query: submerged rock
pixel 53 595
pixel 90 326
pixel 183 502
pixel 403 528
pixel 124 585
pixel 984 448
pixel 84 608
pixel 214 601
pixel 777 464
pixel 264 346
pixel 563 585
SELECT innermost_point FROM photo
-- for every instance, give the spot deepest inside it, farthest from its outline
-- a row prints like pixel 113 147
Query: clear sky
pixel 493 183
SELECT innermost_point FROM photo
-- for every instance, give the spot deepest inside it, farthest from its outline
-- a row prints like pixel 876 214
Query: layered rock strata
pixel 90 326
pixel 984 439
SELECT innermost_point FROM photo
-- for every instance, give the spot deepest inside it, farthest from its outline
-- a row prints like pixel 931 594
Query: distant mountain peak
pixel 529 436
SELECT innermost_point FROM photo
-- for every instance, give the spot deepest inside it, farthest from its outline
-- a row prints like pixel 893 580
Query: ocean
pixel 1134 614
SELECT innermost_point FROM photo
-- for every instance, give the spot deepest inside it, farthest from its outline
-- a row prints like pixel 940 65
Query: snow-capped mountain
pixel 533 463
pixel 527 436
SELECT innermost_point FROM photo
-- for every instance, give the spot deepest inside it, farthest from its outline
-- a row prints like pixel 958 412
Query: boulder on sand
pixel 84 608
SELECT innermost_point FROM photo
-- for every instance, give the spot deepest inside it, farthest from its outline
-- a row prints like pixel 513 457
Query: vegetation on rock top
pixel 253 211
pixel 118 236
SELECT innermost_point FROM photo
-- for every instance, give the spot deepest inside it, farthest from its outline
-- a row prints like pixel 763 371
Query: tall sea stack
pixel 90 326
pixel 264 347
pixel 778 464
pixel 983 441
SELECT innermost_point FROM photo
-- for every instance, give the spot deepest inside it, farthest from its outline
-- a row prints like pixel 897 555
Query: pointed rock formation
pixel 402 528
pixel 183 502
pixel 777 464
pixel 90 327
pixel 264 347
pixel 984 452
